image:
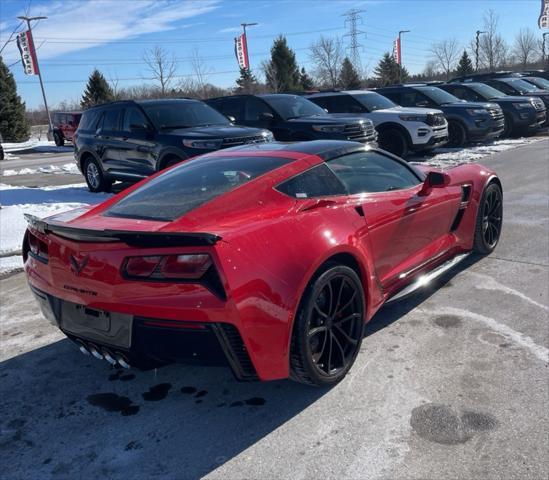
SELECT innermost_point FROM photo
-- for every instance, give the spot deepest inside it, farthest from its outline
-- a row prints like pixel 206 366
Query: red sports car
pixel 269 257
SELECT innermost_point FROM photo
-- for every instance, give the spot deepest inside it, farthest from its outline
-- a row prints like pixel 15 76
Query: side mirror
pixel 231 118
pixel 267 116
pixel 434 180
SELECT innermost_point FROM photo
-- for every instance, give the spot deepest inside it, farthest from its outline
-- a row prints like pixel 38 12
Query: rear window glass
pixel 184 188
pixel 316 182
pixel 89 120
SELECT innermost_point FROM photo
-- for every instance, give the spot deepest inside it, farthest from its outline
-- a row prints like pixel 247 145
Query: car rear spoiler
pixel 129 237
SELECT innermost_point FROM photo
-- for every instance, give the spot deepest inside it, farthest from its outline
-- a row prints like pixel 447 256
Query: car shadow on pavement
pixel 71 416
pixel 392 312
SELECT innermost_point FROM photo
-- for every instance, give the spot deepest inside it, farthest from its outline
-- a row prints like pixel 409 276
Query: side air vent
pixel 232 344
pixel 465 193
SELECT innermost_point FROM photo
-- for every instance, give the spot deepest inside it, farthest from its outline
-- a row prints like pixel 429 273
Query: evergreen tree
pixel 348 76
pixel 465 65
pixel 97 91
pixel 282 71
pixel 306 81
pixel 387 71
pixel 246 83
pixel 13 122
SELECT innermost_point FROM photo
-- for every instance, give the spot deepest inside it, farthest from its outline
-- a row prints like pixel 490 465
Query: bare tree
pixel 431 69
pixel 446 54
pixel 201 72
pixel 162 66
pixel 327 55
pixel 493 49
pixel 525 48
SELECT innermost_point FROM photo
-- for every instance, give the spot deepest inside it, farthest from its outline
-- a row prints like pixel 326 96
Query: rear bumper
pixel 150 342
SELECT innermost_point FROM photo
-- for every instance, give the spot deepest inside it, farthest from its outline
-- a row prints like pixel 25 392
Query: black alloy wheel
pixel 489 220
pixel 457 135
pixel 329 327
pixel 393 141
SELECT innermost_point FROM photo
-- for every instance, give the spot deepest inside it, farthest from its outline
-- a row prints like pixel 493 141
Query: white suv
pixel 400 129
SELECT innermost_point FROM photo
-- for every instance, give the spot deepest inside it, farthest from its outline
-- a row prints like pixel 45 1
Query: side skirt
pixel 427 278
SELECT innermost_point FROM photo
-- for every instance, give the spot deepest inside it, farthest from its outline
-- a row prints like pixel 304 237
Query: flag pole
pixel 28 20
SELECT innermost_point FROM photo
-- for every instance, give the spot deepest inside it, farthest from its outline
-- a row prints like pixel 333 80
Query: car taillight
pixel 167 267
pixel 35 247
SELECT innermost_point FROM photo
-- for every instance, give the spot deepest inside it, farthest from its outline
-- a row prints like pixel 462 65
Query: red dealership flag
pixel 28 53
pixel 543 19
pixel 241 51
pixel 396 50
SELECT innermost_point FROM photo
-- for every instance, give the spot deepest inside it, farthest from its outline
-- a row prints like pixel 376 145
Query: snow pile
pixel 67 168
pixel 41 202
pixel 11 264
pixel 450 157
pixel 30 143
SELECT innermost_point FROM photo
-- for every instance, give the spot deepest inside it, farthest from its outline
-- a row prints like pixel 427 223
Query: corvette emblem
pixel 78 265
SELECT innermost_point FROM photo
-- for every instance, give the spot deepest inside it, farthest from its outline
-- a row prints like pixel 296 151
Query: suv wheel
pixel 328 328
pixel 58 139
pixel 457 135
pixel 394 141
pixel 507 126
pixel 170 161
pixel 95 178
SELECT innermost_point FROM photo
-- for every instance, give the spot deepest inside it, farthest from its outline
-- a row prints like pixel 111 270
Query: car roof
pixel 75 112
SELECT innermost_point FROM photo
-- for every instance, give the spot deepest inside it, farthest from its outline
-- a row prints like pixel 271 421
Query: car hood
pixel 511 99
pixel 215 131
pixel 464 105
pixel 329 119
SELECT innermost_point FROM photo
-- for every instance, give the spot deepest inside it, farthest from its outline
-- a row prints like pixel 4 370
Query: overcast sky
pixel 112 35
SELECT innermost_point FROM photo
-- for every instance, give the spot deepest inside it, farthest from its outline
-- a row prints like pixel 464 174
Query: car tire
pixel 327 335
pixel 457 136
pixel 58 139
pixel 507 127
pixel 170 161
pixel 95 178
pixel 489 220
pixel 394 141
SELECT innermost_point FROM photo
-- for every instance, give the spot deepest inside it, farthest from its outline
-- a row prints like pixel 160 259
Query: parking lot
pixel 451 383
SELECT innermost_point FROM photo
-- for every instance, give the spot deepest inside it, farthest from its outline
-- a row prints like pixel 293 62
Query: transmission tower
pixel 352 20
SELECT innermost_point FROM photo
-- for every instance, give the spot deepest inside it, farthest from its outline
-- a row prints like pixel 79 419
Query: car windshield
pixel 539 82
pixel 183 114
pixel 374 101
pixel 487 91
pixel 521 85
pixel 439 96
pixel 190 185
pixel 293 106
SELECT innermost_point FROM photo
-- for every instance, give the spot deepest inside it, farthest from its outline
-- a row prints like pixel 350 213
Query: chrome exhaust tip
pixel 107 356
pixel 82 347
pixel 95 352
pixel 122 361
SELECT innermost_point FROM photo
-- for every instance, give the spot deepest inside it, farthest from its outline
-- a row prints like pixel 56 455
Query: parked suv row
pixel 130 140
pixel 467 121
pixel 294 118
pixel 400 129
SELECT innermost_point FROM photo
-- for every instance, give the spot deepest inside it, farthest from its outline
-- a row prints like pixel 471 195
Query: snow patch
pixel 67 168
pixel 10 264
pixel 41 202
pixel 450 157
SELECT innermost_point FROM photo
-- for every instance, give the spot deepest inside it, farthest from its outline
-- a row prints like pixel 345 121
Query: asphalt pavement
pixel 450 384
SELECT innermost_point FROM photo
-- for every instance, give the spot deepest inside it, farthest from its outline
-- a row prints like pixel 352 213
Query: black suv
pixel 130 140
pixel 294 118
pixel 467 121
pixel 522 114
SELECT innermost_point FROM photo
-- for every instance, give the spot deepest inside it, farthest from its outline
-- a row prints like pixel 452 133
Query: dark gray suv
pixel 130 140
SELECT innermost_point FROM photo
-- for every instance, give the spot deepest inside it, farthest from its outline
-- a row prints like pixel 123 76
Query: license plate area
pixel 104 327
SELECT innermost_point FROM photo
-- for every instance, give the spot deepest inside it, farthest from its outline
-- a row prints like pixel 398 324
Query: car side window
pixel 254 108
pixel 319 181
pixel 323 102
pixel 345 104
pixel 394 96
pixel 231 106
pixel 502 87
pixel 370 171
pixel 133 116
pixel 111 120
pixel 411 98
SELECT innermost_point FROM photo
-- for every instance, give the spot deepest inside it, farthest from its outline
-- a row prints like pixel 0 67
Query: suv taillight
pixel 167 267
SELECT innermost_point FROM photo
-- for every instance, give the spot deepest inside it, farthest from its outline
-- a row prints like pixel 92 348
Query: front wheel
pixel 95 177
pixel 507 127
pixel 328 328
pixel 394 141
pixel 489 220
pixel 58 139
pixel 457 136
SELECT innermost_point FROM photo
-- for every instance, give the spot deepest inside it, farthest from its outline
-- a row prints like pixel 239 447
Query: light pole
pixel 29 20
pixel 543 48
pixel 400 48
pixel 477 44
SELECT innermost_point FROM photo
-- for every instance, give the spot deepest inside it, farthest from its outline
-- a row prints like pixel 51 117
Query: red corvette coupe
pixel 270 258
